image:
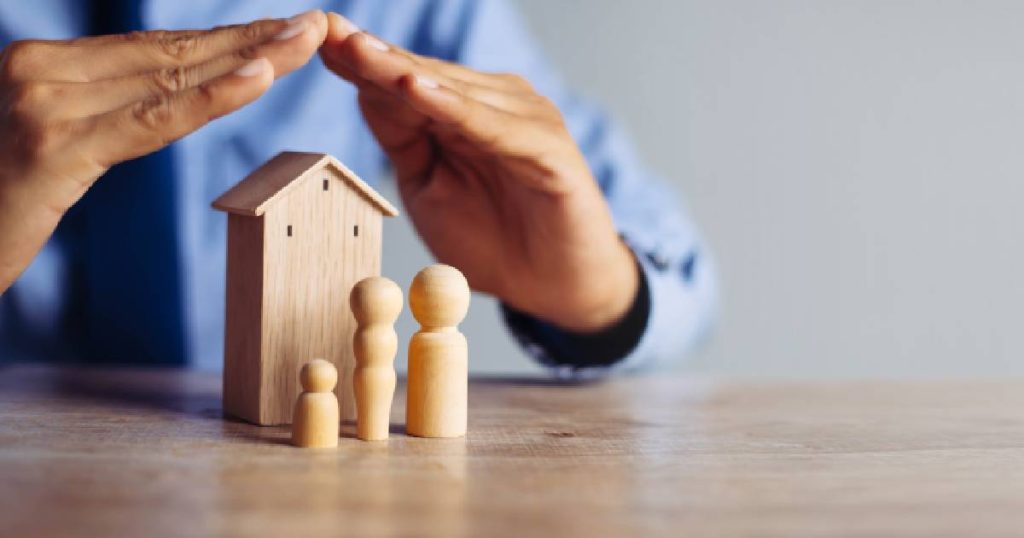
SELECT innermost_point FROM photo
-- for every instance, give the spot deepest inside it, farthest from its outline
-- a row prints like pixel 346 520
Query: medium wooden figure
pixel 376 303
pixel 315 421
pixel 438 354
pixel 302 230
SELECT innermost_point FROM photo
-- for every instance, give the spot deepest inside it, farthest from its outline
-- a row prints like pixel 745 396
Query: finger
pixel 400 130
pixel 117 56
pixel 485 126
pixel 149 125
pixel 503 82
pixel 365 60
pixel 83 99
pixel 340 29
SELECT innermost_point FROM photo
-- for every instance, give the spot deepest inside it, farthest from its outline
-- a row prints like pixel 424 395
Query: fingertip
pixel 319 20
pixel 258 68
pixel 252 79
pixel 430 98
pixel 422 87
pixel 417 87
pixel 339 28
pixel 424 82
pixel 407 84
pixel 353 53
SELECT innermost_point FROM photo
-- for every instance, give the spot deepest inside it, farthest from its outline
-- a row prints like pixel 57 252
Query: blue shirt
pixel 313 110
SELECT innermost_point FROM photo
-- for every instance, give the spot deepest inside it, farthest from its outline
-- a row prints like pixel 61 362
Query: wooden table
pixel 147 453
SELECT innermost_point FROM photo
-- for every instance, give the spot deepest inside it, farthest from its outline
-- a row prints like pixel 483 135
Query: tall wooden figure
pixel 376 303
pixel 438 354
pixel 315 418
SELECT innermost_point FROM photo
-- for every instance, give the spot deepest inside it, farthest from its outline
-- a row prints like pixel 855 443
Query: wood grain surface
pixel 148 453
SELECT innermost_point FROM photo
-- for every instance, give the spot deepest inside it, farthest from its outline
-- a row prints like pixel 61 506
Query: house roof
pixel 254 194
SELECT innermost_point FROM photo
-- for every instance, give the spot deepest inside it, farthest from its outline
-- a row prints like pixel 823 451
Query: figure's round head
pixel 318 375
pixel 439 296
pixel 376 300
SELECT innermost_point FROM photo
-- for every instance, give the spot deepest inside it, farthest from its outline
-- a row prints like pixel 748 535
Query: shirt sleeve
pixel 676 266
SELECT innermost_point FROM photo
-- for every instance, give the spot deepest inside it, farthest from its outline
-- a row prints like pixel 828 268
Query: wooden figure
pixel 302 230
pixel 438 354
pixel 376 303
pixel 315 421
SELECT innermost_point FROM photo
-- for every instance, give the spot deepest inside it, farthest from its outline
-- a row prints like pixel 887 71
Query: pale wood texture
pixel 289 274
pixel 438 354
pixel 309 276
pixel 315 422
pixel 243 317
pixel 376 303
pixel 87 453
pixel 260 189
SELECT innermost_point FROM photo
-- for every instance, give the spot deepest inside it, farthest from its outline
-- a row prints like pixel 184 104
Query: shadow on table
pixel 528 381
pixel 183 391
pixel 153 389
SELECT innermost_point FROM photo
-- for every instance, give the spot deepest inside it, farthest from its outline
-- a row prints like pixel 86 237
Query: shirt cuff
pixel 572 354
pixel 677 297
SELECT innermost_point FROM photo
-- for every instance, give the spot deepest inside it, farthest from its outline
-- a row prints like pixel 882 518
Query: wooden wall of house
pixel 244 307
pixel 309 275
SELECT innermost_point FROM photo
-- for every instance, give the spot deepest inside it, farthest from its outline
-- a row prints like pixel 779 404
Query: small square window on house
pixel 289 230
pixel 326 181
pixel 355 231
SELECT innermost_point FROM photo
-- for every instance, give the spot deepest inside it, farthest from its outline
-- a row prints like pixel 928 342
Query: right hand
pixel 69 110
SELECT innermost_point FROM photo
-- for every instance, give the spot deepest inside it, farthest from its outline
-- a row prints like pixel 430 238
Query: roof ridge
pixel 263 186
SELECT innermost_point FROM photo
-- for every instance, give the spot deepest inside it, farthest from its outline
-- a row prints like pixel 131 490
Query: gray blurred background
pixel 856 166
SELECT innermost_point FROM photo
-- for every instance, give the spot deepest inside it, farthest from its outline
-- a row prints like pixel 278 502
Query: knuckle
pixel 30 95
pixel 252 31
pixel 153 114
pixel 37 142
pixel 140 36
pixel 206 95
pixel 18 59
pixel 26 102
pixel 248 53
pixel 173 79
pixel 178 49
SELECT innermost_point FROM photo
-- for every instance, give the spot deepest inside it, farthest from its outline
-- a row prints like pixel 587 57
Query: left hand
pixel 492 180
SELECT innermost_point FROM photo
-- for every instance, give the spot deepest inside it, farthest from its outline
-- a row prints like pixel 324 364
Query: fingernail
pixel 253 68
pixel 296 25
pixel 375 43
pixel 346 26
pixel 427 82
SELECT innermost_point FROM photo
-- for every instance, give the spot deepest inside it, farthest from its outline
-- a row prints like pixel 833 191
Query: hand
pixel 69 110
pixel 492 180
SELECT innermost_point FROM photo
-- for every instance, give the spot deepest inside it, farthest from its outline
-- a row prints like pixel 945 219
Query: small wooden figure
pixel 438 354
pixel 302 230
pixel 376 303
pixel 315 421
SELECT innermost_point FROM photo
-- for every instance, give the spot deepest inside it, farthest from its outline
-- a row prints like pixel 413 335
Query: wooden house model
pixel 302 230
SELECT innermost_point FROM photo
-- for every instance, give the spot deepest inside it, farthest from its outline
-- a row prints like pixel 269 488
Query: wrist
pixel 28 216
pixel 601 296
pixel 582 352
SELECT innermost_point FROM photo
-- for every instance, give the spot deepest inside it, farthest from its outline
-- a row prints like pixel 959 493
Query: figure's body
pixel 436 399
pixel 315 423
pixel 376 303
